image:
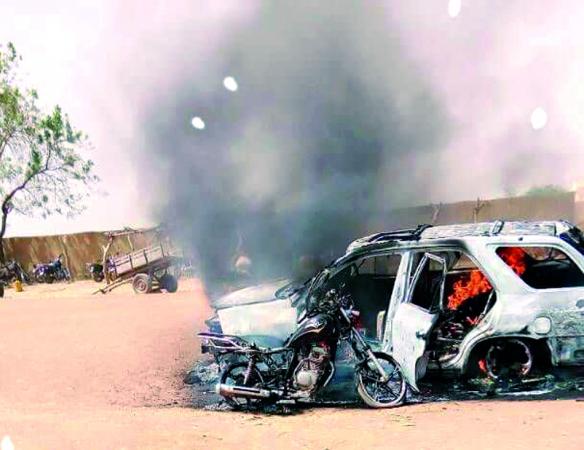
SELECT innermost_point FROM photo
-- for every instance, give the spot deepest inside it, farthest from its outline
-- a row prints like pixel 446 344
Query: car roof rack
pixel 497 227
pixel 410 234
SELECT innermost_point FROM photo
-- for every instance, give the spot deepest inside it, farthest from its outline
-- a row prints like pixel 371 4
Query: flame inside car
pixel 468 286
pixel 474 283
pixel 515 258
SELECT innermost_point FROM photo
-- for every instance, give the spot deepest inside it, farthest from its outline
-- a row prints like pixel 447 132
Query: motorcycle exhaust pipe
pixel 228 390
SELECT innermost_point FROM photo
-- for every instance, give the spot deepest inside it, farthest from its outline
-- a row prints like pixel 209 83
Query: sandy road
pixel 105 372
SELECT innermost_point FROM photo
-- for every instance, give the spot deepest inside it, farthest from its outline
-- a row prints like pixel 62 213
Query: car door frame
pixel 409 339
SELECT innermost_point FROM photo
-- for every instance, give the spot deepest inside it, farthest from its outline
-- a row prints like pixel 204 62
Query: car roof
pixel 481 229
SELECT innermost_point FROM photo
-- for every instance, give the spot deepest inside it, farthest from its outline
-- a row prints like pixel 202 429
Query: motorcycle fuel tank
pixel 321 324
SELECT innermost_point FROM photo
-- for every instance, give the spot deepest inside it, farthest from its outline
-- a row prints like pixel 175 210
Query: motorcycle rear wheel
pixel 97 276
pixel 234 374
pixel 378 394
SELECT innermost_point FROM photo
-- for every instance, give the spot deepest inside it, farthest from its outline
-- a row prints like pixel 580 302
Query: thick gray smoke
pixel 330 129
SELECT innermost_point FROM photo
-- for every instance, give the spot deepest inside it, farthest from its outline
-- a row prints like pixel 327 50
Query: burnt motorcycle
pixel 305 364
pixel 53 271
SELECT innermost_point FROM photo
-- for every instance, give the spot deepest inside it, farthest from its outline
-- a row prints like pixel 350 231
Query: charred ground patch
pixel 559 384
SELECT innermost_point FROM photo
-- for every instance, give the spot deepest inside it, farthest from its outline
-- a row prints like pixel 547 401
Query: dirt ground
pixel 105 372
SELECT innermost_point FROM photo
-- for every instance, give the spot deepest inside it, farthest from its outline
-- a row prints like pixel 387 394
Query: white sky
pixel 491 66
pixel 93 57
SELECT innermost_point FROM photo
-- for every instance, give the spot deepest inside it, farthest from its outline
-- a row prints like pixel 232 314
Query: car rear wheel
pixel 508 358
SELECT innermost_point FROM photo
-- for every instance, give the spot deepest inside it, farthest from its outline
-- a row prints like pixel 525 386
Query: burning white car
pixel 501 298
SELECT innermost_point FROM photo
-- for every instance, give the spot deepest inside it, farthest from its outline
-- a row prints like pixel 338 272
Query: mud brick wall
pixel 79 249
pixel 83 248
pixel 561 206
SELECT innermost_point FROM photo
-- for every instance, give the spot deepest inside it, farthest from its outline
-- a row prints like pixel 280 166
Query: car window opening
pixel 542 267
pixel 426 291
pixel 370 282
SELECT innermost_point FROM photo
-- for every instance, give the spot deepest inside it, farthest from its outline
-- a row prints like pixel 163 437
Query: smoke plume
pixel 331 127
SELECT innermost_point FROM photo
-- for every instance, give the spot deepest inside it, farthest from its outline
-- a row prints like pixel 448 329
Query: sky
pixel 95 58
pixel 508 73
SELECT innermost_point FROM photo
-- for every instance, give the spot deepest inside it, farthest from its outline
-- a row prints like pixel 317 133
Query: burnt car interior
pixel 370 282
pixel 542 267
pixel 467 297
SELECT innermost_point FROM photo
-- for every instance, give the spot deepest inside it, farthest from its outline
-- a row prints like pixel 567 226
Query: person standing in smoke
pixel 241 265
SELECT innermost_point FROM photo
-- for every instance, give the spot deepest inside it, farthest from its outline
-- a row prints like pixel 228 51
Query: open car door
pixel 415 317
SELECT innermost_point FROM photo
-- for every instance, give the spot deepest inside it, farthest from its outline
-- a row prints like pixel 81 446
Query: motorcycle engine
pixel 310 369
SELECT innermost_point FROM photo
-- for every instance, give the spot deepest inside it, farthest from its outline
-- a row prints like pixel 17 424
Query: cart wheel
pixel 168 283
pixel 142 283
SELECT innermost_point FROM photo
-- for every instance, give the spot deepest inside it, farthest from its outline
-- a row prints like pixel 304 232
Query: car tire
pixel 504 358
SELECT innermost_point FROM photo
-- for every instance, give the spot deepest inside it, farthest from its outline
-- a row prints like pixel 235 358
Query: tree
pixel 548 190
pixel 42 170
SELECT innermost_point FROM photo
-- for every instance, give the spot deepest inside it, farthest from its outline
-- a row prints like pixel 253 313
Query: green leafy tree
pixel 42 170
pixel 548 190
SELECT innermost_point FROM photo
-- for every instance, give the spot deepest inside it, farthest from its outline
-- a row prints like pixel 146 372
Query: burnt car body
pixel 495 297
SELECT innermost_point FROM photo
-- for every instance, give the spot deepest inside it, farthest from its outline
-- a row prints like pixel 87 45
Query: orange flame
pixel 475 283
pixel 514 257
pixel 468 285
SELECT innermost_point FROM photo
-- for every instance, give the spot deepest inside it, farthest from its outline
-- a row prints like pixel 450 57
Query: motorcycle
pixel 305 364
pixel 12 271
pixel 95 271
pixel 53 271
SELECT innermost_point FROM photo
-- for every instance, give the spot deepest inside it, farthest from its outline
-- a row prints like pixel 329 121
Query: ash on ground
pixel 561 384
pixel 202 378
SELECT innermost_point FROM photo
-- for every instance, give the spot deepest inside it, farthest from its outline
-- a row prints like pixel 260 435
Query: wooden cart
pixel 147 269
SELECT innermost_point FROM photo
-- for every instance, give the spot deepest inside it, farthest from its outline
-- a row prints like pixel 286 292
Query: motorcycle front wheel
pixel 377 393
pixel 25 278
pixel 234 375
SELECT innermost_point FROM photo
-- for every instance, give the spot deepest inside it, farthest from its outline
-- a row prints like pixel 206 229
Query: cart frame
pixel 147 269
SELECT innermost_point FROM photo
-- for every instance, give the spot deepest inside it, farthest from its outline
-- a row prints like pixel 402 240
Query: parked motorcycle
pixel 50 272
pixel 12 271
pixel 305 364
pixel 96 272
